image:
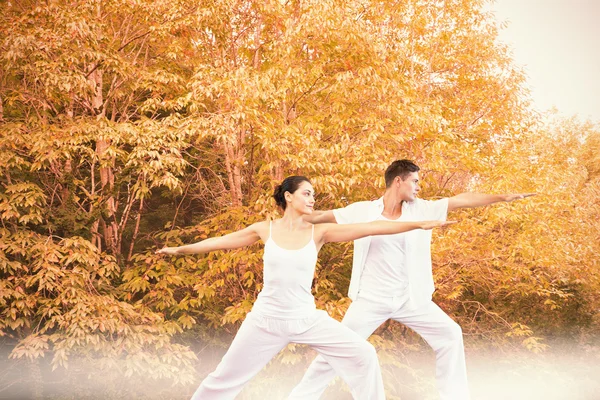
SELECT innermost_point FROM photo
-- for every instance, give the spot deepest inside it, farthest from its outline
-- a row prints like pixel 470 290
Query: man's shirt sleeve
pixel 434 209
pixel 349 214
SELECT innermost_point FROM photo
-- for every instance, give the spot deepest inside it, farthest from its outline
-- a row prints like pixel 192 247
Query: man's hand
pixel 512 197
pixel 471 200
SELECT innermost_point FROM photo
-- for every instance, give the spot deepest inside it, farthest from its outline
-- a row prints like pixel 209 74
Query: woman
pixel 284 311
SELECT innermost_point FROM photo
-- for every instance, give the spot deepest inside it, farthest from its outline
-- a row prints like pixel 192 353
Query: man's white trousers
pixel 259 339
pixel 368 312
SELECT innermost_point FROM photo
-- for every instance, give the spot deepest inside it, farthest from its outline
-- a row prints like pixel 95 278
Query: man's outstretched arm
pixel 471 200
pixel 320 217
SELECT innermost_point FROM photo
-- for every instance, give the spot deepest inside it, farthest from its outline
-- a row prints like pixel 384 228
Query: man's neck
pixel 392 205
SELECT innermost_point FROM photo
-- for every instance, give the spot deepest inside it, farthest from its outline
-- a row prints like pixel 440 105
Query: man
pixel 392 278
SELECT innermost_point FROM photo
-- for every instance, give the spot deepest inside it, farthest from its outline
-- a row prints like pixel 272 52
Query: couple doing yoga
pixel 391 279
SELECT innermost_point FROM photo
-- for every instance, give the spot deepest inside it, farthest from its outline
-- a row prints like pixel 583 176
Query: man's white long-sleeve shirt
pixel 417 257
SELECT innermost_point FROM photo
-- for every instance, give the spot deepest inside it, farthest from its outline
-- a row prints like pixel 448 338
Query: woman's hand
pixel 427 225
pixel 168 250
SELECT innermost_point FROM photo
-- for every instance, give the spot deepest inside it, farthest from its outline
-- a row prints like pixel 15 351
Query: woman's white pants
pixel 368 312
pixel 260 338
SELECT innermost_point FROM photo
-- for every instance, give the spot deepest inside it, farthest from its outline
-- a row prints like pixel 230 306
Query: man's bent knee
pixel 455 332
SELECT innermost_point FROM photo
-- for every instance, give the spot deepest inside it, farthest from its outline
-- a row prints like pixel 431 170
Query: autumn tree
pixel 78 163
pixel 129 125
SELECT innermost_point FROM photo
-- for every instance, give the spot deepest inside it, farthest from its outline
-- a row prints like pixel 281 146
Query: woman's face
pixel 303 199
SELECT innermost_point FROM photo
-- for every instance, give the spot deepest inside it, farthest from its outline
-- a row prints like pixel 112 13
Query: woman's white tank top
pixel 287 280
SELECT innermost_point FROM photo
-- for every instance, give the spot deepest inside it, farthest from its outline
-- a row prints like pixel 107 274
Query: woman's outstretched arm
pixel 348 232
pixel 233 240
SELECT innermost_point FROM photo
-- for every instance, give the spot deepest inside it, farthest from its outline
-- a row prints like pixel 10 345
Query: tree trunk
pixel 107 183
pixel 37 384
pixel 107 179
pixel 232 164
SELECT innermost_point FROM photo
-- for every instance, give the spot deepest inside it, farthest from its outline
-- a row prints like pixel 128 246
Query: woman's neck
pixel 292 220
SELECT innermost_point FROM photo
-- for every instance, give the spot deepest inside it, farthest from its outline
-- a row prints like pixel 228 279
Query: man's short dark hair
pixel 401 168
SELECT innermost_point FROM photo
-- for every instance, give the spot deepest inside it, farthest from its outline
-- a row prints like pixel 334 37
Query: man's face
pixel 408 188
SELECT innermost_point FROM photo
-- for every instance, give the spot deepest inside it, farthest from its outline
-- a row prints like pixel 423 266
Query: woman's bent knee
pixel 367 352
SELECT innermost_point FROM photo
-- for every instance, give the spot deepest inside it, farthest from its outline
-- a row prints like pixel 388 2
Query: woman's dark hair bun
pixel 279 197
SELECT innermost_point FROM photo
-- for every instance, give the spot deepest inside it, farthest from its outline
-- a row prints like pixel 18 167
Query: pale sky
pixel 558 44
